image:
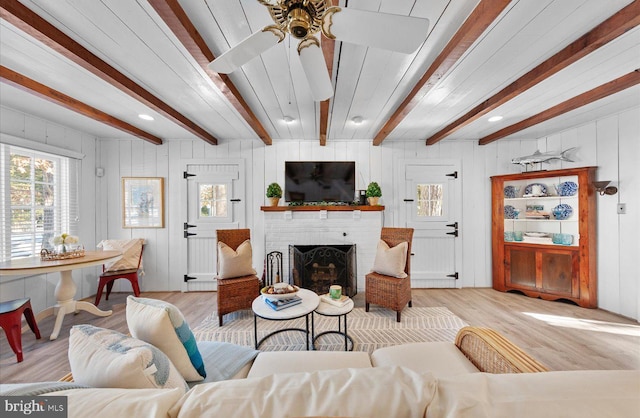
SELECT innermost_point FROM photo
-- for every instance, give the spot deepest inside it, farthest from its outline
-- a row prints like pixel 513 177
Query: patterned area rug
pixel 369 330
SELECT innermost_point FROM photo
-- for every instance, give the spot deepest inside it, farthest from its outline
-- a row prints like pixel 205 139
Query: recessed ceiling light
pixel 288 119
pixel 357 120
pixel 145 117
pixel 494 118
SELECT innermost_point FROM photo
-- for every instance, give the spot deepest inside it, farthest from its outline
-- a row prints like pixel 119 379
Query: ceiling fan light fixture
pixel 299 23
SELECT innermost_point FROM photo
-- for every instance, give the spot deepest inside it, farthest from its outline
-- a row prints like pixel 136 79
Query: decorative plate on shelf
pixel 562 211
pixel 536 234
pixel 567 188
pixel 528 191
pixel 510 212
pixel 511 192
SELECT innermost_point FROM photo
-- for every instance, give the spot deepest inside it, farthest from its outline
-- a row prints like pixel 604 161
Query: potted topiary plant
pixel 373 193
pixel 274 193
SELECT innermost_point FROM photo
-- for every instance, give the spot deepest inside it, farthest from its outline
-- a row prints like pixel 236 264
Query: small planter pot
pixel 274 201
pixel 373 201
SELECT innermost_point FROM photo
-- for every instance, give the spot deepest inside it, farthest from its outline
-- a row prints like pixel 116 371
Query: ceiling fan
pixel 303 19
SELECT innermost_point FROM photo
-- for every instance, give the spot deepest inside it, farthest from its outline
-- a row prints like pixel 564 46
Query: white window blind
pixel 40 199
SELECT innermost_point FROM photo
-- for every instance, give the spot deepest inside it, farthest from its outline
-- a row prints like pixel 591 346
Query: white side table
pixel 260 309
pixel 328 309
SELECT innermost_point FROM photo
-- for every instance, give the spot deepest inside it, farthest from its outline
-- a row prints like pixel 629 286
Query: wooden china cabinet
pixel 544 234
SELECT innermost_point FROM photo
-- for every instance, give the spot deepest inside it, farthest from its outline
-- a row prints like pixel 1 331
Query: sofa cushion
pixel 236 263
pixel 103 358
pixel 271 362
pixel 109 403
pixel 391 261
pixel 160 323
pixel 368 392
pixel 583 393
pixel 439 358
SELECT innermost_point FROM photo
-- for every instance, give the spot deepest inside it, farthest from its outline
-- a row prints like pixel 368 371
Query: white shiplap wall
pixel 610 143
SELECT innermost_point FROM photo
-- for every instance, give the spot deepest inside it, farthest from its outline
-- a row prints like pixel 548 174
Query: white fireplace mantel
pixel 325 227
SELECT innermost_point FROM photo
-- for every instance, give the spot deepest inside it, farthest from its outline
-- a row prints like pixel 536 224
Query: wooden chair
pixel 391 292
pixel 239 292
pixel 126 268
pixel 11 322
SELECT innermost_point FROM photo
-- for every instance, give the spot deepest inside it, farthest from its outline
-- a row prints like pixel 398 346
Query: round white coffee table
pixel 328 309
pixel 310 301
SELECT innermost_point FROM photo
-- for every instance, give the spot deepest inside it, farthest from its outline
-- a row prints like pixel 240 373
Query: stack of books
pixel 278 304
pixel 336 302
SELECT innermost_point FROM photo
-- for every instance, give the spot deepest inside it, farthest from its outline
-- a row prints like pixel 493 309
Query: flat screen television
pixel 320 181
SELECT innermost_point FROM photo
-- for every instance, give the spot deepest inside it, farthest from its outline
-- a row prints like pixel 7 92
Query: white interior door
pixel 431 205
pixel 215 200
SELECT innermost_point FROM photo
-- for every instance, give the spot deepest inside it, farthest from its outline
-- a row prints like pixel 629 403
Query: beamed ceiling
pixel 95 65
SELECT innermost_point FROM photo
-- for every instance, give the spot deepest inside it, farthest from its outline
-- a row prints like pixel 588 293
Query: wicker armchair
pixel 391 292
pixel 239 292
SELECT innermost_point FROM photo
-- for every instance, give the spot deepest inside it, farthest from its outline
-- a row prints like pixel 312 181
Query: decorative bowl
pixel 510 212
pixel 287 292
pixel 562 211
pixel 567 188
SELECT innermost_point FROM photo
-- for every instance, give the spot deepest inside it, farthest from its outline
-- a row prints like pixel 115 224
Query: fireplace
pixel 316 267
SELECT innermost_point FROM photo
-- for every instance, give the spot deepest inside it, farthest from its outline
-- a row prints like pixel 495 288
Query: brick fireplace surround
pixel 325 225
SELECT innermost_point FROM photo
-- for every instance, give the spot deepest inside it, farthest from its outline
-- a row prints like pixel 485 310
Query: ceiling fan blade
pixel 251 47
pixel 315 68
pixel 379 30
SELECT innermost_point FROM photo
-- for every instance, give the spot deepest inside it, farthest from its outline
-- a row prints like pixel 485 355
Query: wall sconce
pixel 601 187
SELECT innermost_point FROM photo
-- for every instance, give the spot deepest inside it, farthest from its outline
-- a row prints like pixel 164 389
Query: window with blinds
pixel 40 199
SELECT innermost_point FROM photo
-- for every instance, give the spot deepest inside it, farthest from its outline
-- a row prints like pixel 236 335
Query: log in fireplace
pixel 316 267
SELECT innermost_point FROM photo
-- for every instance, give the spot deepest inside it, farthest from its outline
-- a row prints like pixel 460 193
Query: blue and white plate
pixel 567 188
pixel 511 192
pixel 510 212
pixel 528 190
pixel 562 211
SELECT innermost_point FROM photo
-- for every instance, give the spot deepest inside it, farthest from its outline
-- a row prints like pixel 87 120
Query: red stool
pixel 11 322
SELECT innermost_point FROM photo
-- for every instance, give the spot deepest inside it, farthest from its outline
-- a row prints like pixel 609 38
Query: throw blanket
pixel 39 388
pixel 223 360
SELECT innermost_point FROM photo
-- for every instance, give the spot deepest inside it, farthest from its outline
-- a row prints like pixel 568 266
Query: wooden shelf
pixel 309 208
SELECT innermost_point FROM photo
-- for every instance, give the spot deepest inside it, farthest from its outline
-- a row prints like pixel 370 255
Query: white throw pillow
pixel 130 248
pixel 104 358
pixel 162 324
pixel 236 263
pixel 391 261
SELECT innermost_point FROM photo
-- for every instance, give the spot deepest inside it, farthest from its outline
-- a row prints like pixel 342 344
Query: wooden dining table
pixel 65 290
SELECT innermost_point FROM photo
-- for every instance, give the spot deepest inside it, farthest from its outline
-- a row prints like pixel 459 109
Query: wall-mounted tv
pixel 320 181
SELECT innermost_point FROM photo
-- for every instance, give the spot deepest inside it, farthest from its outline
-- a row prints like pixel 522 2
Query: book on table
pixel 336 302
pixel 278 304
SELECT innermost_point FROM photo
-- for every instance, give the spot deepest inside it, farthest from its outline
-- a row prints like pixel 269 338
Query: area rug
pixel 369 330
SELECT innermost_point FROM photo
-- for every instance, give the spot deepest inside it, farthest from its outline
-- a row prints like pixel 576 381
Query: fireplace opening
pixel 316 267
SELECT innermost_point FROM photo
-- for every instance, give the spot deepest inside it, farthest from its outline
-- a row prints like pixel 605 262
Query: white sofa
pixel 481 375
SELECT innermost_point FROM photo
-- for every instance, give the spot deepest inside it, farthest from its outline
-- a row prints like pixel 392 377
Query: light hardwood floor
pixel 559 335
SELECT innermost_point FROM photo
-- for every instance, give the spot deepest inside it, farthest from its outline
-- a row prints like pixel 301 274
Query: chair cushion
pixel 131 250
pixel 104 358
pixel 236 263
pixel 391 261
pixel 163 325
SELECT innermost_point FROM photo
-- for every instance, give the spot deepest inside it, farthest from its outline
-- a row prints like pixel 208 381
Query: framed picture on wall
pixel 143 202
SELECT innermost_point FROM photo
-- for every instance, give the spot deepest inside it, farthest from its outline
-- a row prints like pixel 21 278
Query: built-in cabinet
pixel 544 234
